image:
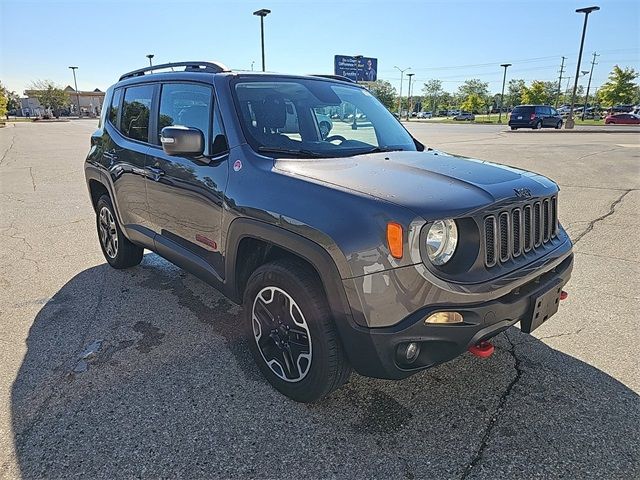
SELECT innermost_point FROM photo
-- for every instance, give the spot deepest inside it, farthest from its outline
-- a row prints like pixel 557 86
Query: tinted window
pixel 521 110
pixel 114 108
pixel 135 112
pixel 185 104
pixel 554 111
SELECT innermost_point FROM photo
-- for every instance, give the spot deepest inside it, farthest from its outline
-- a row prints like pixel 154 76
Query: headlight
pixel 442 239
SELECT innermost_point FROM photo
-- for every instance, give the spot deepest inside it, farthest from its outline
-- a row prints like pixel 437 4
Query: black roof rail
pixel 207 67
pixel 334 77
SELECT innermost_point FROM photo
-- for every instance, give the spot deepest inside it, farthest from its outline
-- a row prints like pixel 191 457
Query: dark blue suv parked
pixel 534 116
pixel 348 247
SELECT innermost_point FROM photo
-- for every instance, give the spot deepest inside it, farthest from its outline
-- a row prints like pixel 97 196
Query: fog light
pixel 444 317
pixel 408 352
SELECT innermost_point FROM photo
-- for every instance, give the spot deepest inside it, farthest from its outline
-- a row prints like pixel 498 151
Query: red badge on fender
pixel 237 165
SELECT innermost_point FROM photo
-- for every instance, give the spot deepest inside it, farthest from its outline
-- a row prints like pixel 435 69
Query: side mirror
pixel 179 140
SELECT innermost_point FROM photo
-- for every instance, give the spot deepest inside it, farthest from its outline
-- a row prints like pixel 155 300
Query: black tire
pixel 559 125
pixel 514 128
pixel 328 367
pixel 116 248
pixel 538 125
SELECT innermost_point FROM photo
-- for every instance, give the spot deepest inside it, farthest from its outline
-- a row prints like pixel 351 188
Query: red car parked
pixel 622 119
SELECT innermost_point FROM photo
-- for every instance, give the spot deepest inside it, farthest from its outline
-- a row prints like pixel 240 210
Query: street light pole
pixel 409 96
pixel 150 56
pixel 400 97
pixel 262 13
pixel 570 122
pixel 586 98
pixel 75 84
pixel 504 79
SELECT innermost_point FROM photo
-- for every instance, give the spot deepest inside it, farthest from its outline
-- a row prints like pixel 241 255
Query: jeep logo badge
pixel 522 192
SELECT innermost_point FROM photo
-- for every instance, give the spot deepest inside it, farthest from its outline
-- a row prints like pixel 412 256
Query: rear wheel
pixel 291 332
pixel 538 125
pixel 116 248
pixel 514 128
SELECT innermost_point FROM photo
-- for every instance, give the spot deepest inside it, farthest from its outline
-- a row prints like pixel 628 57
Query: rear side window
pixel 135 112
pixel 186 104
pixel 521 110
pixel 114 108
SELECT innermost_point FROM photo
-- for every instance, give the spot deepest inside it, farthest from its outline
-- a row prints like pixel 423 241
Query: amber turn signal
pixel 444 317
pixel 394 239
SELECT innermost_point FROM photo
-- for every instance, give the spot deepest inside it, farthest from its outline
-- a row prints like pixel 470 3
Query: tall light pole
pixel 150 56
pixel 263 12
pixel 570 123
pixel 75 84
pixel 409 96
pixel 586 98
pixel 400 98
pixel 504 79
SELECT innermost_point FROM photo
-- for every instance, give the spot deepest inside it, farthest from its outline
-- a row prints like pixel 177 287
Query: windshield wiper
pixel 291 151
pixel 379 150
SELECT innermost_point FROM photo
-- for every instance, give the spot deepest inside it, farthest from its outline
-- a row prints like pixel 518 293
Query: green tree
pixel 620 87
pixel 4 99
pixel 432 89
pixel 385 92
pixel 474 103
pixel 537 93
pixel 473 86
pixel 514 92
pixel 50 96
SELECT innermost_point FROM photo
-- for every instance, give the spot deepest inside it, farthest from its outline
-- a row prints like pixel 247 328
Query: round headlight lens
pixel 442 239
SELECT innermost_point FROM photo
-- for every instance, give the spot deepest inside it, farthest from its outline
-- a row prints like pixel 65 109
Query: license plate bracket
pixel 545 306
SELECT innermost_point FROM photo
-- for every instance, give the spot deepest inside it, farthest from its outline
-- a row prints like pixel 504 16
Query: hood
pixel 432 184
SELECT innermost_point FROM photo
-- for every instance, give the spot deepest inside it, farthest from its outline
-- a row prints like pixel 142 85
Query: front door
pixel 185 195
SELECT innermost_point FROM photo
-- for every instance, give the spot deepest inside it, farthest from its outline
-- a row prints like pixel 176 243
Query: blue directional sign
pixel 363 69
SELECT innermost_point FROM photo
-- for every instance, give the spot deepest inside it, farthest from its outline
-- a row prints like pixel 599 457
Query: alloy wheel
pixel 108 232
pixel 281 333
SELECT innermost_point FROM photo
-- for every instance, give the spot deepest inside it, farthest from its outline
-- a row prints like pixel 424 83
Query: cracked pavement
pixel 144 373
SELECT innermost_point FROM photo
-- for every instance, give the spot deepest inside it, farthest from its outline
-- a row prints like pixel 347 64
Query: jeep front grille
pixel 511 233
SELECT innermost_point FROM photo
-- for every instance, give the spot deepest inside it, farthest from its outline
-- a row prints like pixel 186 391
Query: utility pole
pixel 75 83
pixel 409 96
pixel 400 97
pixel 586 98
pixel 570 122
pixel 262 13
pixel 560 80
pixel 504 79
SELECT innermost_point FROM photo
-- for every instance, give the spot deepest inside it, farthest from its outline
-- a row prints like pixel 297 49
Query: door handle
pixel 154 173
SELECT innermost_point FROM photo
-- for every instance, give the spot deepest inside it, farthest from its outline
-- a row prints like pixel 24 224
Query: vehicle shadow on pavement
pixel 145 373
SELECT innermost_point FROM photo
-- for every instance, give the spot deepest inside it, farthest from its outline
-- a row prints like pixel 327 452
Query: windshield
pixel 315 118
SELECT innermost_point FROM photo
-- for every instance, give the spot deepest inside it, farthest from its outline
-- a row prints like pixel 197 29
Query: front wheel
pixel 514 128
pixel 116 248
pixel 538 126
pixel 292 335
pixel 559 125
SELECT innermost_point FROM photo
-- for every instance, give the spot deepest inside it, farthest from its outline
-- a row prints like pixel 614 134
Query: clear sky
pixel 450 40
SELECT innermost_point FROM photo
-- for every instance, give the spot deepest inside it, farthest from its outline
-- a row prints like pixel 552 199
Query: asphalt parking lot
pixel 168 388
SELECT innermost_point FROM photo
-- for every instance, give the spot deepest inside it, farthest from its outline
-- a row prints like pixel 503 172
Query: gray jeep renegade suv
pixel 353 249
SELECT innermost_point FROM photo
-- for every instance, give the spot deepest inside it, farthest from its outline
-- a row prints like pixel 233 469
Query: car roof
pixel 199 70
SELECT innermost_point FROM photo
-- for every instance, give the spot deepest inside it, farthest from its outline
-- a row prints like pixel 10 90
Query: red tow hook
pixel 563 295
pixel 482 349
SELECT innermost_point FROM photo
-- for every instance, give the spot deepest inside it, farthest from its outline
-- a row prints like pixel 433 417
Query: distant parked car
pixel 622 119
pixel 623 109
pixel 424 115
pixel 535 116
pixel 465 116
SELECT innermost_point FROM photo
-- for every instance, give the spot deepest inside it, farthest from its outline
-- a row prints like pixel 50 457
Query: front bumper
pixel 372 351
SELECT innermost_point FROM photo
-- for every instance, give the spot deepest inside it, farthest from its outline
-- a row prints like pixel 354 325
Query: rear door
pixel 125 155
pixel 186 194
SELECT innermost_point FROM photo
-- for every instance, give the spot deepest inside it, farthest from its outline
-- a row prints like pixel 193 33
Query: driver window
pixel 185 104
